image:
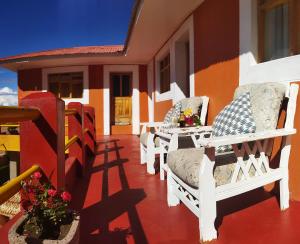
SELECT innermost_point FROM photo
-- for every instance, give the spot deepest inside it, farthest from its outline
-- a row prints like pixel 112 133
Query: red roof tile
pixel 113 49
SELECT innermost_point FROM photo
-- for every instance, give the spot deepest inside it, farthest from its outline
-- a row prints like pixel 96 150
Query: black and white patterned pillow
pixel 173 113
pixel 236 118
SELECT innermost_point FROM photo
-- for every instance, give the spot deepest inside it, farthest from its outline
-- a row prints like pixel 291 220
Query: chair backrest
pixel 195 103
pixel 266 100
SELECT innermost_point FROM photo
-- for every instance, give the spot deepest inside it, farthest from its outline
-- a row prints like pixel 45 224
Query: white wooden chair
pixel 149 142
pixel 200 177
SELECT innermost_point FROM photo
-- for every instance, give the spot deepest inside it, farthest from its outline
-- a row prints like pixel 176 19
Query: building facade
pixel 190 48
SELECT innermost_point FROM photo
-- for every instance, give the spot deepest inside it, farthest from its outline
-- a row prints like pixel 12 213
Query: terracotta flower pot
pixel 71 237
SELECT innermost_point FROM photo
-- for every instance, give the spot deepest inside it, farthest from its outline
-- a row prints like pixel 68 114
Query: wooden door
pixel 121 99
pixel 123 110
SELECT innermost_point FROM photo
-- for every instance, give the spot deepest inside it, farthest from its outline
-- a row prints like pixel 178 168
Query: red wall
pixel 29 81
pixel 96 94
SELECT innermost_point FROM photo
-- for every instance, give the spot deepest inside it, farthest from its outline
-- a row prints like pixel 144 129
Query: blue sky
pixel 35 25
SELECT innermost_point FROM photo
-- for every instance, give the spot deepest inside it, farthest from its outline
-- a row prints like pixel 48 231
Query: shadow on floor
pixel 95 219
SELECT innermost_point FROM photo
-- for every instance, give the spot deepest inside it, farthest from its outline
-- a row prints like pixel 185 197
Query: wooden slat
pixel 9 125
pixel 71 111
pixel 70 142
pixel 11 114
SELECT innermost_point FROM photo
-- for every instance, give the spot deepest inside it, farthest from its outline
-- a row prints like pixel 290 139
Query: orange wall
pixel 96 94
pixel 160 109
pixel 143 87
pixel 216 30
pixel 29 81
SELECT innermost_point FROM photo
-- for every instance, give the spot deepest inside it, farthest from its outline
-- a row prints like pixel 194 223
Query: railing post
pixel 76 127
pixel 42 141
pixel 90 130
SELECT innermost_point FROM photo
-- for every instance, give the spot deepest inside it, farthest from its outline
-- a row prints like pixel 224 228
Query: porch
pixel 120 203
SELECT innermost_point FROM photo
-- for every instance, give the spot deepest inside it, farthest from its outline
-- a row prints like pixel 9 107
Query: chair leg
pixel 143 154
pixel 150 161
pixel 207 218
pixel 161 165
pixel 173 200
pixel 284 192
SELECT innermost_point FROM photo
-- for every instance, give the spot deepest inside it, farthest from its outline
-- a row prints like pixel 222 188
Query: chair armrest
pixel 152 124
pixel 236 139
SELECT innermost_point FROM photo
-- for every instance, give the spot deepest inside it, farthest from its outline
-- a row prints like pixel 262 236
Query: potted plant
pixel 47 216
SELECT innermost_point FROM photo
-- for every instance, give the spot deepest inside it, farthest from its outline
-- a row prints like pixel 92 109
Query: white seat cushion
pixel 185 164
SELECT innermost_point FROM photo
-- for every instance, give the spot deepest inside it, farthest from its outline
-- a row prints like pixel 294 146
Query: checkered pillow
pixel 236 118
pixel 173 113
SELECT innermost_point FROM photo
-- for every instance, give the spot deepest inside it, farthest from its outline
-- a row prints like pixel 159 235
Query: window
pixel 164 74
pixel 66 85
pixel 121 85
pixel 278 27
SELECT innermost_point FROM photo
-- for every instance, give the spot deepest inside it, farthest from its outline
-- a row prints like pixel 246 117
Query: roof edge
pixel 134 14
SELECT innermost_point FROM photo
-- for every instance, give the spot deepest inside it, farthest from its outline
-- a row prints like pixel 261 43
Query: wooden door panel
pixel 123 113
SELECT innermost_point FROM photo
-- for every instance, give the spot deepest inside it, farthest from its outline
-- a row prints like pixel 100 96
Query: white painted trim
pixel 150 91
pixel 173 94
pixel 135 95
pixel 192 57
pixel 279 70
pixel 84 69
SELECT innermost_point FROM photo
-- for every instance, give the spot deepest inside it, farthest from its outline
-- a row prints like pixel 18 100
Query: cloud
pixel 8 97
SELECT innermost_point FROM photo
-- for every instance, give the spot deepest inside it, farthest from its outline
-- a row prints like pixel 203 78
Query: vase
pixel 71 237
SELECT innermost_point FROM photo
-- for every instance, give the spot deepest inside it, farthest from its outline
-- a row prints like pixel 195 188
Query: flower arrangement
pixel 190 118
pixel 46 208
pixel 188 113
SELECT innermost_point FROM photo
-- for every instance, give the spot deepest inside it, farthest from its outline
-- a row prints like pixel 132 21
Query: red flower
pixel 37 175
pixel 52 192
pixel 66 196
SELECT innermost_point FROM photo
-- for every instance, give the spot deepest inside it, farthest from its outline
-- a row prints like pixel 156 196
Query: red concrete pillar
pixel 42 141
pixel 90 130
pixel 76 127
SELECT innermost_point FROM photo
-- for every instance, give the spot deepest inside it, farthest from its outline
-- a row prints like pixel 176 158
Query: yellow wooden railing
pixel 13 186
pixel 70 111
pixel 11 114
pixel 70 142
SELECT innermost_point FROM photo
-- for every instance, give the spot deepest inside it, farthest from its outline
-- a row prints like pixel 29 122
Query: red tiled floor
pixel 122 204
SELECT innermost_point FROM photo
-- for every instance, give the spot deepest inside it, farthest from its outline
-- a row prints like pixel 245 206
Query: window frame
pixel 165 65
pixel 70 84
pixel 69 69
pixel 293 20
